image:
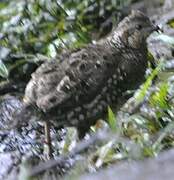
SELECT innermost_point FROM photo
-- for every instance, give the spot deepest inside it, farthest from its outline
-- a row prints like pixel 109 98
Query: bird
pixel 77 88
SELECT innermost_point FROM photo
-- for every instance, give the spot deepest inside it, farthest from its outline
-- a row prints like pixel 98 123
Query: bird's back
pixel 83 85
pixel 78 90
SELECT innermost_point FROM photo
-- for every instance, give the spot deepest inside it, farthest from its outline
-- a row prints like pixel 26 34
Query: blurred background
pixel 35 31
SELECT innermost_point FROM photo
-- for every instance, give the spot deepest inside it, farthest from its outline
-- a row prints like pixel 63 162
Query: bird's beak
pixel 153 28
pixel 157 29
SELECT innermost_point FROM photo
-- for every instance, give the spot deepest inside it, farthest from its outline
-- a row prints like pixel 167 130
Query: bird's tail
pixel 20 117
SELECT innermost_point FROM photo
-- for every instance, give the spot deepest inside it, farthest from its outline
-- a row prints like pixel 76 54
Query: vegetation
pixel 36 30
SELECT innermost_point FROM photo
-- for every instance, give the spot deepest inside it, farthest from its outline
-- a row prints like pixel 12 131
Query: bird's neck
pixel 114 39
pixel 120 39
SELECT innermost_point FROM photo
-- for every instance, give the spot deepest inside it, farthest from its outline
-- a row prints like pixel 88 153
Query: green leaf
pixel 3 70
pixel 69 141
pixel 159 98
pixel 171 23
pixel 142 92
pixel 112 119
pixel 105 154
pixel 166 131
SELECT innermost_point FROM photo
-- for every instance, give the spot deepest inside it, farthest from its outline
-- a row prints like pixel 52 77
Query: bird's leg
pixel 49 151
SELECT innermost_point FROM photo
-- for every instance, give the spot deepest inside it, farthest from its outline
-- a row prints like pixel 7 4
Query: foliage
pixel 112 119
pixel 3 70
pixel 31 31
pixel 46 26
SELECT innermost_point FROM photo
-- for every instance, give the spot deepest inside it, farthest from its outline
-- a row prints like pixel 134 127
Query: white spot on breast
pixel 115 82
pixel 115 76
pixel 88 114
pixel 74 122
pixel 110 81
pixel 115 93
pixel 78 109
pixel 121 78
pixel 62 82
pixel 118 70
pixel 113 98
pixel 81 117
pixel 95 111
pixel 104 90
pixel 103 103
pixel 124 74
pixel 98 62
pixel 96 99
pixel 100 107
pixel 108 99
pixel 77 98
pixel 119 90
pixel 70 115
pixel 122 67
pixel 67 86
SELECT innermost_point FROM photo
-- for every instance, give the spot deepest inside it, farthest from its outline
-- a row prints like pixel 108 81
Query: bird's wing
pixel 76 80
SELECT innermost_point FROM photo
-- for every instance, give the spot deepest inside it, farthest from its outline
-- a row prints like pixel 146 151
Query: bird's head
pixel 133 30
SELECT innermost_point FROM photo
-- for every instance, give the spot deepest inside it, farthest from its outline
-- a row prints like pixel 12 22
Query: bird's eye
pixel 139 26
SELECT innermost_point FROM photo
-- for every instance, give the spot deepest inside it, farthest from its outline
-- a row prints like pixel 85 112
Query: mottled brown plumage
pixel 78 90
